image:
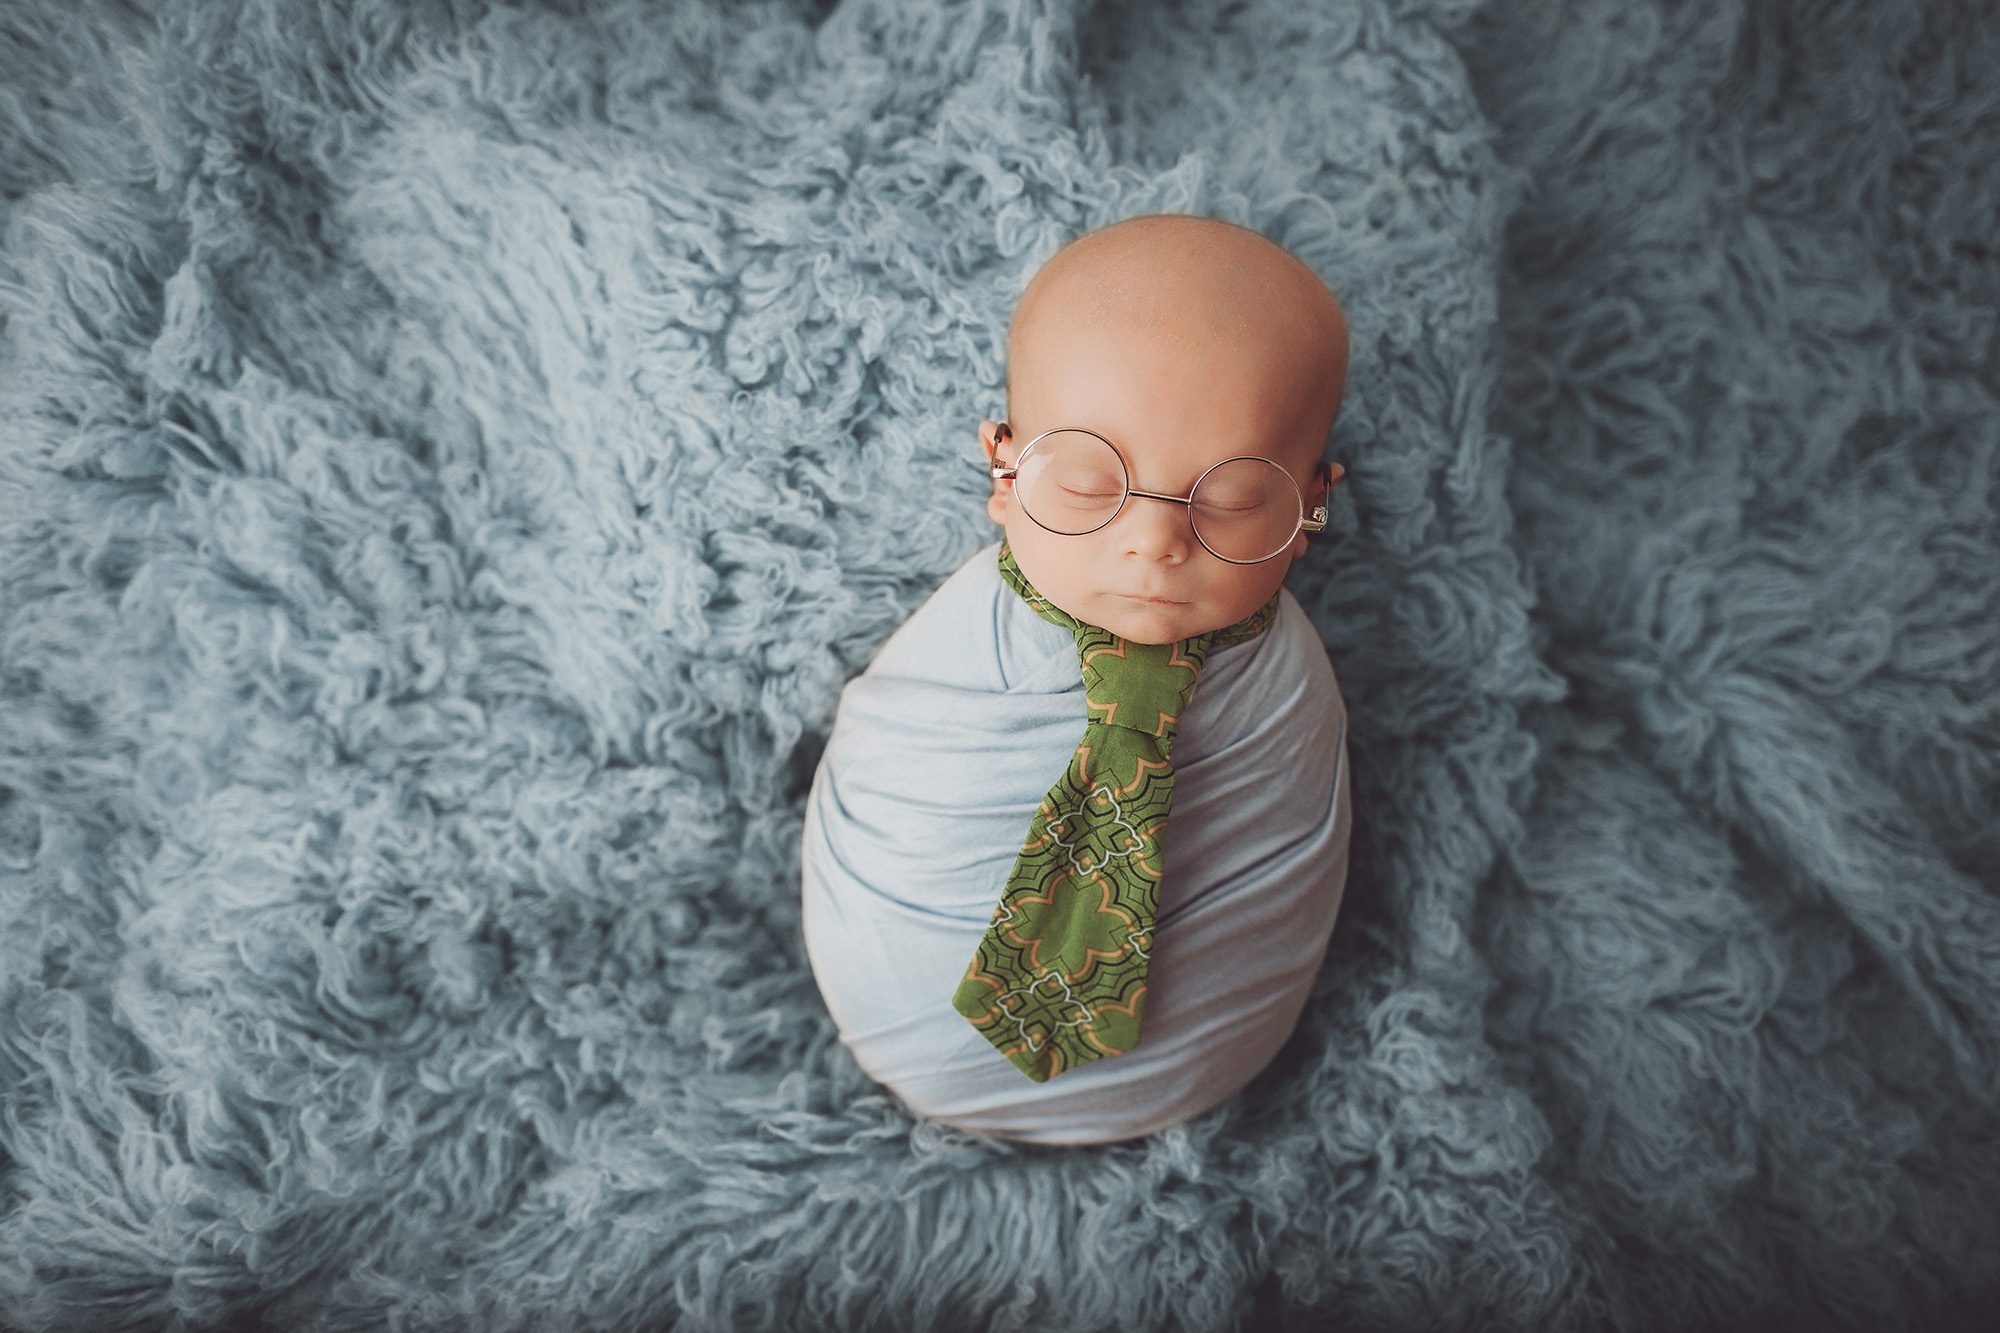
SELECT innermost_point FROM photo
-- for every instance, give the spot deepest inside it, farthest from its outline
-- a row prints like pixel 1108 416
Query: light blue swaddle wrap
pixel 940 752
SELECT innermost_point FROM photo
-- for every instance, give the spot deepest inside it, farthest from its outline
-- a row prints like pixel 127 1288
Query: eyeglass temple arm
pixel 1330 474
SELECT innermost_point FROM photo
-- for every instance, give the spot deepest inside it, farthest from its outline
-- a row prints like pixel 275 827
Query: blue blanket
pixel 939 754
pixel 453 456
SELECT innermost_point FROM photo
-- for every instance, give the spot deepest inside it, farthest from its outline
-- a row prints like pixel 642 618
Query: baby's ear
pixel 1001 498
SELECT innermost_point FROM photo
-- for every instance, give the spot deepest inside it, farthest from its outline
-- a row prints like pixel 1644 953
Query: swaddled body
pixel 940 753
pixel 1062 884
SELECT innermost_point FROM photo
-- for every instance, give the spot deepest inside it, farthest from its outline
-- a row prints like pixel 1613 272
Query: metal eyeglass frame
pixel 1329 472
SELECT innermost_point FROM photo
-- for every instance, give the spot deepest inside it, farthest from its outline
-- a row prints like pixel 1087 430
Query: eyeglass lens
pixel 1073 482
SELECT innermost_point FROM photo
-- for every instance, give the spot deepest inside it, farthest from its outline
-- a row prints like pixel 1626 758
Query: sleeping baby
pixel 1074 850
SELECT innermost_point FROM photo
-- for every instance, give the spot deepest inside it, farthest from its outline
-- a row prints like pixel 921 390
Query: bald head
pixel 1193 286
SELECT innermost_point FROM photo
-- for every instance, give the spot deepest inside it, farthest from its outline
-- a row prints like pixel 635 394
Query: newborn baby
pixel 1076 845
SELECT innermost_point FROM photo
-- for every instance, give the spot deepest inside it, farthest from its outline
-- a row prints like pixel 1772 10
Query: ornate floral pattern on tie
pixel 1059 978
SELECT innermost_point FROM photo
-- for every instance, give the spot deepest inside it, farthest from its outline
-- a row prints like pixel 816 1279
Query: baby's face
pixel 1173 409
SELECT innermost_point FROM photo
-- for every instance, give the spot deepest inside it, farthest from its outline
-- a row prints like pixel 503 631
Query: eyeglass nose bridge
pixel 1186 500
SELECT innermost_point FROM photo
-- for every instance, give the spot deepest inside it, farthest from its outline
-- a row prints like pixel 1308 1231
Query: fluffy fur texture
pixel 452 454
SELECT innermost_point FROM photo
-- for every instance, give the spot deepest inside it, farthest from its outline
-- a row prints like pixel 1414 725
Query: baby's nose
pixel 1156 529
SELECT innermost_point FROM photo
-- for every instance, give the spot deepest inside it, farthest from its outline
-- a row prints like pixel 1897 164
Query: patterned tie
pixel 1060 976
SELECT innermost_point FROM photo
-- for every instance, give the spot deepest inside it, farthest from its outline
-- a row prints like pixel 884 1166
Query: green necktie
pixel 1060 976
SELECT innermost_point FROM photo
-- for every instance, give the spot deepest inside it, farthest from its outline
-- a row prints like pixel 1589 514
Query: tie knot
pixel 1142 686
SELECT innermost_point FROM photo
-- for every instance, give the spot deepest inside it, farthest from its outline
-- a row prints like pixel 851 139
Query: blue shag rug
pixel 452 454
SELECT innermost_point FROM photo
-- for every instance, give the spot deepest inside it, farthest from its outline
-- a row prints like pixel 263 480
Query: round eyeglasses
pixel 1244 509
